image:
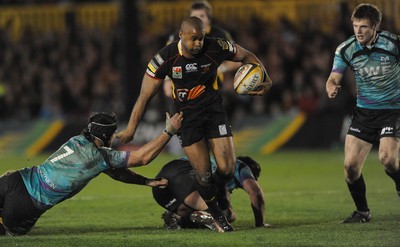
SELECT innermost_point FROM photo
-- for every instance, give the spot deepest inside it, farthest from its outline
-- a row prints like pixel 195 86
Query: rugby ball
pixel 248 77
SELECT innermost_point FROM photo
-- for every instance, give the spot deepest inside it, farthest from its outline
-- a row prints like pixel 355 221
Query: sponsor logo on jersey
pixel 185 94
pixel 385 59
pixel 374 70
pixel 387 131
pixel 191 67
pixel 196 91
pixel 205 68
pixel 177 72
pixel 182 94
pixel 169 204
pixel 226 45
pixel 47 180
pixel 355 130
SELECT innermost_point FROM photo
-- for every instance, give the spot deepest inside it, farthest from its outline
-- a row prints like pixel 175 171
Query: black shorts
pixel 208 122
pixel 181 183
pixel 370 124
pixel 18 212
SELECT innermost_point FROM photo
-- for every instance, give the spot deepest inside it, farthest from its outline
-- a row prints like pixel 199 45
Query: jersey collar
pixel 373 42
pixel 180 47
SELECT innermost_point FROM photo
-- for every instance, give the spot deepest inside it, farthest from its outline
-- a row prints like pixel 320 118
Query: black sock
pixel 208 193
pixel 358 193
pixel 222 198
pixel 395 176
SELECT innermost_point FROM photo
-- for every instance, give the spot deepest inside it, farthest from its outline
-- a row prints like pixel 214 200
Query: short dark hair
pixel 367 11
pixel 254 166
pixel 192 21
pixel 202 5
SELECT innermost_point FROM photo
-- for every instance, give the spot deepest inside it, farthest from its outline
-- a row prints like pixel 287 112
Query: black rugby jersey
pixel 194 79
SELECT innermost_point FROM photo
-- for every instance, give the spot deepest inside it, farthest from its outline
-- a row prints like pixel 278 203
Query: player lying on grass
pixel 185 207
pixel 27 193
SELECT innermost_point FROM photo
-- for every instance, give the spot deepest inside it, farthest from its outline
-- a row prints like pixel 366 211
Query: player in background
pixel 204 11
pixel 192 64
pixel 185 207
pixel 374 56
pixel 29 192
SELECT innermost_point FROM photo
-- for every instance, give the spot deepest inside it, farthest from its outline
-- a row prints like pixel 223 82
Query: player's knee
pixel 226 172
pixel 352 173
pixel 226 164
pixel 15 230
pixel 204 179
pixel 388 161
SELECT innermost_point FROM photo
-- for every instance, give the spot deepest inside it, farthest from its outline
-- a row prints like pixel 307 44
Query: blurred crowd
pixel 59 74
pixel 73 73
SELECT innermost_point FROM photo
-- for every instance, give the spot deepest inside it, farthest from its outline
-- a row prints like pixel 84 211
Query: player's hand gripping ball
pixel 249 77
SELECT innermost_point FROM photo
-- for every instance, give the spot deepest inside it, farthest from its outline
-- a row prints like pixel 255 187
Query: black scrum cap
pixel 102 126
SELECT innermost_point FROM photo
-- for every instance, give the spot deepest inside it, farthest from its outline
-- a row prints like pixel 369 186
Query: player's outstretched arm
pixel 126 175
pixel 149 88
pixel 149 151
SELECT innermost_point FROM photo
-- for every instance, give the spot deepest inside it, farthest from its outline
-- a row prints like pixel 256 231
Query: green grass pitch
pixel 306 197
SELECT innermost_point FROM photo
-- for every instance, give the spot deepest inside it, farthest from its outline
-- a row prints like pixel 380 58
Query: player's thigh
pixel 199 156
pixel 178 189
pixel 6 187
pixel 356 151
pixel 224 153
pixel 19 214
pixel 2 193
pixel 166 199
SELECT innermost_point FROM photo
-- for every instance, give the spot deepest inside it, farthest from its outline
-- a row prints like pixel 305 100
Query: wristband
pixel 140 180
pixel 168 133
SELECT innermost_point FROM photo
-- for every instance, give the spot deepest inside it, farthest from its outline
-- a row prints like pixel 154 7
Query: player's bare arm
pixel 245 56
pixel 333 84
pixel 149 88
pixel 167 87
pixel 257 200
pixel 149 151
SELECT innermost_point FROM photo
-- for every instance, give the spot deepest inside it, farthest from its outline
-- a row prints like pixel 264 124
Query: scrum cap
pixel 102 126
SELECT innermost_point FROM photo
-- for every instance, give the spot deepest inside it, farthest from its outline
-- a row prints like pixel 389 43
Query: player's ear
pixel 180 34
